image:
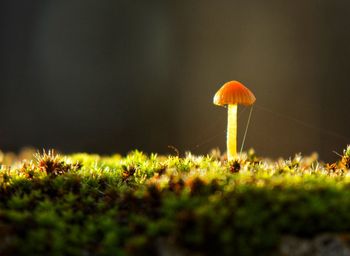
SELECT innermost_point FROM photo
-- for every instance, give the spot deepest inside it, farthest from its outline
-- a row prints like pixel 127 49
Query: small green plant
pixel 53 164
pixel 346 158
pixel 343 165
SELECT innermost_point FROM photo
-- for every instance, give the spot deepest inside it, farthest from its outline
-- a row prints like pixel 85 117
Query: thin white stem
pixel 246 128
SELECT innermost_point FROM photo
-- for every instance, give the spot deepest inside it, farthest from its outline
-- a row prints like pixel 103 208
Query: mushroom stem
pixel 232 132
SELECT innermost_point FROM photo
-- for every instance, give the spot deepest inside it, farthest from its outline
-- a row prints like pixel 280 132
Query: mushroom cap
pixel 234 92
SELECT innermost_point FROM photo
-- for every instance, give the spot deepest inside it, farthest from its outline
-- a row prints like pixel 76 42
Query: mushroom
pixel 231 94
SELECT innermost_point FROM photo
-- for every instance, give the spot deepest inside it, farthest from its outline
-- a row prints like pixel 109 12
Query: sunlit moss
pixel 196 204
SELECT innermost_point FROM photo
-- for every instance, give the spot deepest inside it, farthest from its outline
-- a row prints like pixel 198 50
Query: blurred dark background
pixel 112 76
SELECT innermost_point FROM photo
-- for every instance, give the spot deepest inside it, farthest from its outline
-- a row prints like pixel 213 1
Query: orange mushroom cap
pixel 234 92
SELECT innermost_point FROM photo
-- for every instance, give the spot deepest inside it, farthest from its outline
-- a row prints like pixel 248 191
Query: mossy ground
pixel 142 204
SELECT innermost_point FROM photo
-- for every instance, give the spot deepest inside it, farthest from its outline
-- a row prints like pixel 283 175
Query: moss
pixel 112 205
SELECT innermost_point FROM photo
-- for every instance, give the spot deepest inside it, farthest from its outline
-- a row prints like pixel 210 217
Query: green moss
pixel 112 205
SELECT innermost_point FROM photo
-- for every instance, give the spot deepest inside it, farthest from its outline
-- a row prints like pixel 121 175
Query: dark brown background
pixel 111 76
